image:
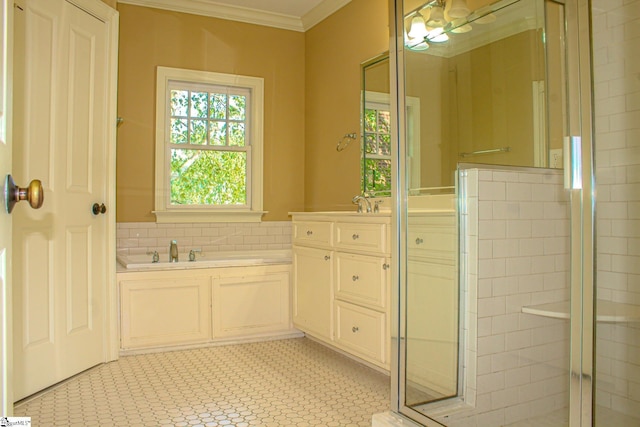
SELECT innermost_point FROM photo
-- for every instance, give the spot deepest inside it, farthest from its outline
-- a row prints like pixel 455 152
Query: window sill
pixel 195 216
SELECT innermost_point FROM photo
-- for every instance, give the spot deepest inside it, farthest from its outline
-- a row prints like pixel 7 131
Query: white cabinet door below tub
pixel 156 312
pixel 251 305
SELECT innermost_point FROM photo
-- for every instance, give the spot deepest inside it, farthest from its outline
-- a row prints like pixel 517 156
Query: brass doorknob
pixel 14 194
pixel 98 209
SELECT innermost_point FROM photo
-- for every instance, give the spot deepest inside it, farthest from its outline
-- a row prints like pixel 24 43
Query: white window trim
pixel 165 214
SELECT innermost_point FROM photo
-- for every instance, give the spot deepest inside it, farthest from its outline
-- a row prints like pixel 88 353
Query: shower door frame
pixel 580 124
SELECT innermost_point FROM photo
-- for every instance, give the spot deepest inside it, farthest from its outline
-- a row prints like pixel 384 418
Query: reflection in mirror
pixel 482 82
pixel 486 80
pixel 376 128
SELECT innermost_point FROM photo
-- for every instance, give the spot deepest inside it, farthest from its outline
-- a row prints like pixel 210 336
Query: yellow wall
pixel 334 49
pixel 111 3
pixel 151 37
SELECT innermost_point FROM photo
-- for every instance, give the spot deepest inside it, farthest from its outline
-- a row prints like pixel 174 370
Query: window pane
pixel 217 133
pixel 179 102
pixel 370 120
pixel 199 103
pixel 384 121
pixel 237 106
pixel 198 132
pixel 236 134
pixel 218 106
pixel 178 131
pixel 384 145
pixel 204 177
pixel 370 144
pixel 378 175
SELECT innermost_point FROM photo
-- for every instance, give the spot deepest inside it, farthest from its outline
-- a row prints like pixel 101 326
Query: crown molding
pixel 243 14
pixel 322 11
pixel 224 11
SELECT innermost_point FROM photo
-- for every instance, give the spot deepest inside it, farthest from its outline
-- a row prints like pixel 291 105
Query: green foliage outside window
pixel 206 177
pixel 209 148
pixel 376 160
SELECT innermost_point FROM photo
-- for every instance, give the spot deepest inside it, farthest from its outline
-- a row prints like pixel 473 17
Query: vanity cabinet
pixel 432 301
pixel 312 298
pixel 341 281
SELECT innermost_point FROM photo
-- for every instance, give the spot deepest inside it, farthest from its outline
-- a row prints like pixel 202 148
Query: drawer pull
pixel 355 329
pixel 309 232
pixel 327 257
pixel 355 236
pixel 355 277
pixel 385 266
pixel 419 241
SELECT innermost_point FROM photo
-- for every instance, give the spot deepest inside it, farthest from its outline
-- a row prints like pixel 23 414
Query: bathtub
pixel 207 260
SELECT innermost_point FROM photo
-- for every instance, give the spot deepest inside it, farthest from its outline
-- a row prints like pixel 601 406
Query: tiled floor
pixel 294 382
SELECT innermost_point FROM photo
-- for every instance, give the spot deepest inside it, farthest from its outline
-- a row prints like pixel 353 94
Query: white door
pixel 6 396
pixel 59 251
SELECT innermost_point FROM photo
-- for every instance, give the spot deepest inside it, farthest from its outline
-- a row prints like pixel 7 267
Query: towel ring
pixel 345 141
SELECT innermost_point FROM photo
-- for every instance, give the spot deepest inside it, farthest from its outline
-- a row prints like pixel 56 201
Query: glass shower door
pixel 496 240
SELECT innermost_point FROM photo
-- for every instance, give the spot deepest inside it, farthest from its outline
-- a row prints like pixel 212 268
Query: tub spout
pixel 173 251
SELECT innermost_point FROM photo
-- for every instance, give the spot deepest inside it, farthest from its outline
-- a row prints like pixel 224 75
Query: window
pixel 377 149
pixel 376 145
pixel 208 147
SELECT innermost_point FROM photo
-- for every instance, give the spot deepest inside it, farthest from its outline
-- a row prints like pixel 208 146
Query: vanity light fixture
pixel 418 29
pixel 459 9
pixel 442 17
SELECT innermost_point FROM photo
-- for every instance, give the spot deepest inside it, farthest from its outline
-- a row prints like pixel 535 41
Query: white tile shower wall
pixel 141 237
pixel 515 253
pixel 616 31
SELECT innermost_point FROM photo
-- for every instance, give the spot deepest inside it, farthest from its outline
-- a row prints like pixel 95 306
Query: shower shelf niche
pixel 608 311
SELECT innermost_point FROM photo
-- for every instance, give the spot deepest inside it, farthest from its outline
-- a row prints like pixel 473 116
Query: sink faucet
pixel 173 251
pixel 358 200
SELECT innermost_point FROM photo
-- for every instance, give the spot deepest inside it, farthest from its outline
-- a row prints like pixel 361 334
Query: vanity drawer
pixel 361 330
pixel 433 238
pixel 362 279
pixel 312 232
pixel 365 237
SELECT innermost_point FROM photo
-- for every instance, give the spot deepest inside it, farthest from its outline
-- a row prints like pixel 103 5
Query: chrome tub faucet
pixel 173 251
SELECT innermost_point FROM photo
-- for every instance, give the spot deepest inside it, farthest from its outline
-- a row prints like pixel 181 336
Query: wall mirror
pixel 487 81
pixel 375 167
pixel 375 132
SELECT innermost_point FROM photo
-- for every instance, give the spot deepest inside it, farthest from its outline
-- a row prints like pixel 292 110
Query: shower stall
pixel 518 227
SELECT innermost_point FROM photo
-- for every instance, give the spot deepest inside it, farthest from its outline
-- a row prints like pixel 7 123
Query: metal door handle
pixel 14 194
pixel 98 209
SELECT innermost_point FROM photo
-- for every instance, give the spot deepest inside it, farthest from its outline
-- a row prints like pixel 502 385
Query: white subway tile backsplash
pixel 142 237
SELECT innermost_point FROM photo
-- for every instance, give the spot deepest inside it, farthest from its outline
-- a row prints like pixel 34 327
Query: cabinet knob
pixel 355 329
pixel 309 232
pixel 355 277
pixel 355 236
pixel 327 257
pixel 419 241
pixel 385 266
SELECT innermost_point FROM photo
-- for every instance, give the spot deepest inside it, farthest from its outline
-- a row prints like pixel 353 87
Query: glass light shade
pixel 459 9
pixel 436 18
pixel 437 35
pixel 418 28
